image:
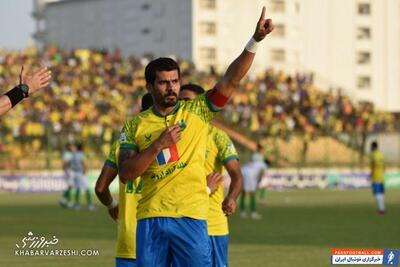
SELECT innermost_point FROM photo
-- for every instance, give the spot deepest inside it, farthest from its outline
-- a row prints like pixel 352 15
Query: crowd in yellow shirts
pixel 278 104
pixel 93 92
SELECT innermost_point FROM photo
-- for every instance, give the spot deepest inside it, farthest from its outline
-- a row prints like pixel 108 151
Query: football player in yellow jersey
pixel 123 212
pixel 220 153
pixel 166 147
pixel 377 176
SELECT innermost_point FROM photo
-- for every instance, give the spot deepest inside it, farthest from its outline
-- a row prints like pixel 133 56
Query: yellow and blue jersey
pixel 129 195
pixel 174 185
pixel 378 171
pixel 220 150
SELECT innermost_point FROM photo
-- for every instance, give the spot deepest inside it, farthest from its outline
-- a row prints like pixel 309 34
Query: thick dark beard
pixel 166 103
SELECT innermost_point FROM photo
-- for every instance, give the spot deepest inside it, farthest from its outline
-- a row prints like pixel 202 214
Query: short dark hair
pixel 197 89
pixel 374 145
pixel 259 147
pixel 160 64
pixel 147 101
pixel 79 146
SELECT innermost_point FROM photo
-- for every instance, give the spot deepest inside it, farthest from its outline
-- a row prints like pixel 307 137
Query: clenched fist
pixel 169 137
pixel 264 27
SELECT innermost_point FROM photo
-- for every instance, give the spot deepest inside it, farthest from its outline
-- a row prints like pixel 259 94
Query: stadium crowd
pixel 277 104
pixel 93 92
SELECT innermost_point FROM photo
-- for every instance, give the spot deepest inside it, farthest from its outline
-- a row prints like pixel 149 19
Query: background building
pixel 352 44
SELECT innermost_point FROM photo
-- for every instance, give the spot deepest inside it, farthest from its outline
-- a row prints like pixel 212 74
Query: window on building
pixel 208 4
pixel 160 36
pixel 364 9
pixel 279 30
pixel 277 6
pixel 212 69
pixel 145 31
pixel 297 7
pixel 363 57
pixel 363 33
pixel 208 28
pixel 145 6
pixel 278 55
pixel 209 53
pixel 364 82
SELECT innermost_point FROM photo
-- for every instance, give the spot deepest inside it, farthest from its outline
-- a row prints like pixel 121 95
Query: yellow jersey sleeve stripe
pixel 129 147
pixel 111 164
pixel 233 157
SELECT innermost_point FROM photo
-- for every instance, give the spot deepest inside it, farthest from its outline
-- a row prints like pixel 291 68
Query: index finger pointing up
pixel 262 17
pixel 22 73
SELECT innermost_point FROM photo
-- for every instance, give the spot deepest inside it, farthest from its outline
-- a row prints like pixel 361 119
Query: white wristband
pixel 113 204
pixel 208 190
pixel 252 46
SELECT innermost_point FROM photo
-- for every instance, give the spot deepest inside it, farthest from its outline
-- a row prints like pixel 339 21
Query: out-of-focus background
pixel 324 85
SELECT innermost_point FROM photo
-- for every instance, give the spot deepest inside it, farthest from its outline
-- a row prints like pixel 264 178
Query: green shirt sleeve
pixel 226 148
pixel 112 159
pixel 202 107
pixel 128 133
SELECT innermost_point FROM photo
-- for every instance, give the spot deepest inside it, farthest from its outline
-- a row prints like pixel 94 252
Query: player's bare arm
pixel 84 167
pixel 372 165
pixel 229 203
pixel 5 104
pixel 102 190
pixel 65 165
pixel 132 164
pixel 240 66
pixel 259 178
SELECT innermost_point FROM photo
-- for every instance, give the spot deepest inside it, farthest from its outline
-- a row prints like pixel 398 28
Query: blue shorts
pixel 378 188
pixel 121 262
pixel 166 242
pixel 219 250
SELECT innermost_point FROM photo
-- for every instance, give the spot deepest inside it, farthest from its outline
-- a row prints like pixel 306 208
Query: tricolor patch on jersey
pixel 168 155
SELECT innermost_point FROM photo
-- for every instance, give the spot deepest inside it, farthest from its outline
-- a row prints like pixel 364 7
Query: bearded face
pixel 165 89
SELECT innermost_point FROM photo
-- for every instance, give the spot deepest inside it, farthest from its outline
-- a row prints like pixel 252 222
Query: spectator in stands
pixel 93 91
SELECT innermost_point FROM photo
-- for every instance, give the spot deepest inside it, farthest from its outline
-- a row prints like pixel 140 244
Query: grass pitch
pixel 298 228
